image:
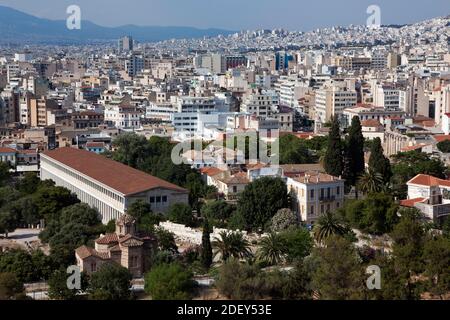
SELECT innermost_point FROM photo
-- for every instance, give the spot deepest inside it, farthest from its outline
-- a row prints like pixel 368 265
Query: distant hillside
pixel 19 27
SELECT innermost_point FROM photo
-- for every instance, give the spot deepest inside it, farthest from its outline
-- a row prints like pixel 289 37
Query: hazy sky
pixel 236 14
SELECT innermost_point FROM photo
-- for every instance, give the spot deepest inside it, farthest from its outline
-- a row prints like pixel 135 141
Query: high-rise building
pixel 125 44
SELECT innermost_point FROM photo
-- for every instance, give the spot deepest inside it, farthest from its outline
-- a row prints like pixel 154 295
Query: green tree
pixel 406 165
pixel 333 159
pixel 51 200
pixel 217 212
pixel 294 151
pixel 57 286
pixel 7 195
pixel 444 146
pixel 21 264
pixel 272 249
pixel 329 224
pixel 376 214
pixel 231 244
pixel 206 253
pixel 298 243
pixel 9 221
pixel 283 219
pixel 242 281
pixel 110 226
pixel 169 282
pixel 260 200
pixel 181 213
pixel 110 282
pixel 408 236
pixel 166 240
pixel 139 209
pixel 28 184
pixel 339 275
pixel 378 163
pixel 10 287
pixel 26 211
pixel 437 265
pixel 370 182
pixel 355 151
pixel 5 174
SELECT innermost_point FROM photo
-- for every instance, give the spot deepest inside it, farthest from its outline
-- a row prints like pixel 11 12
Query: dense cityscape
pixel 253 165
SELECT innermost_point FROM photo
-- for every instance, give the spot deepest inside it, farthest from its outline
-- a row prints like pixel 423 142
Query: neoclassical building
pixel 124 247
pixel 107 185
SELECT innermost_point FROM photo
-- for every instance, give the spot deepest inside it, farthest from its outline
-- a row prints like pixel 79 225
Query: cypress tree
pixel 355 151
pixel 206 254
pixel 378 162
pixel 333 161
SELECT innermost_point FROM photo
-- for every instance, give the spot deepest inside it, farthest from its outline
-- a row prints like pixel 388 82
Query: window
pixel 164 198
pixel 158 199
pixel 338 190
pixel 93 267
pixel 312 193
pixel 234 189
pixel 152 199
pixel 312 210
pixel 321 209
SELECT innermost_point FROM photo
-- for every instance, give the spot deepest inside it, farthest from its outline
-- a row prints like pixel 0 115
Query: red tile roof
pixel 370 123
pixel 108 239
pixel 210 171
pixel 95 144
pixel 427 180
pixel 441 137
pixel 84 252
pixel 111 173
pixel 416 147
pixel 410 202
pixel 7 150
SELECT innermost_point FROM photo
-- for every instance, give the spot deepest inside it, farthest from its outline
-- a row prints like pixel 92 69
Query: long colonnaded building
pixel 107 185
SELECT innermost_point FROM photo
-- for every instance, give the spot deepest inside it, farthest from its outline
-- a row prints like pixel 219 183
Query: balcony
pixel 327 198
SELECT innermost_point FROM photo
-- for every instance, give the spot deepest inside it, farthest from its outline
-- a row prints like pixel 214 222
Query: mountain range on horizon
pixel 21 28
pixel 17 27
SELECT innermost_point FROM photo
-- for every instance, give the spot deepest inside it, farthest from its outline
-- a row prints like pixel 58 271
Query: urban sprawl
pixel 307 159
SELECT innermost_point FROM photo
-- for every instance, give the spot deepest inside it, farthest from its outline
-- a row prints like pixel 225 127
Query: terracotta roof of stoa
pixel 427 180
pixel 410 202
pixel 113 174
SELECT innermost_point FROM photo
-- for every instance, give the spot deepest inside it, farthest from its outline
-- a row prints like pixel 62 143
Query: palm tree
pixel 231 244
pixel 370 182
pixel 272 249
pixel 328 225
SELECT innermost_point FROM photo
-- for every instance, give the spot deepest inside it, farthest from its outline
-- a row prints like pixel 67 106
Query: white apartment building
pixel 259 102
pixel 123 117
pixel 160 110
pixel 386 96
pixel 107 185
pixel 369 112
pixel 188 109
pixel 332 99
pixel 291 89
pixel 314 194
